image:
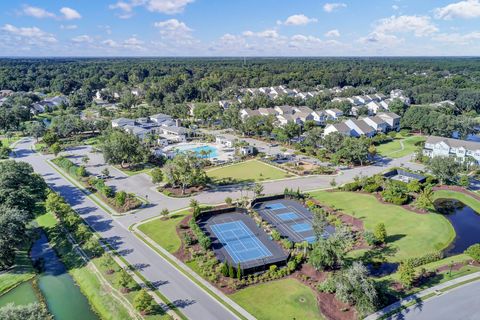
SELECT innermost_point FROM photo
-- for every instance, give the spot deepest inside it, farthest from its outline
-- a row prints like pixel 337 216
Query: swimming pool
pixel 204 151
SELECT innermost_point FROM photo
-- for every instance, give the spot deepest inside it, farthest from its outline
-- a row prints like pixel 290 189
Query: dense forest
pixel 169 81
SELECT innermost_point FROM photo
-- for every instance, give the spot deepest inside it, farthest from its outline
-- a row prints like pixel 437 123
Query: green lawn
pixel 409 234
pixel 465 199
pixel 282 299
pixel 131 172
pixel 393 149
pixel 252 170
pixel 163 232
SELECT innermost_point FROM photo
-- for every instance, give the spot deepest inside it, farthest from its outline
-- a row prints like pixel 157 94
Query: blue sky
pixel 239 28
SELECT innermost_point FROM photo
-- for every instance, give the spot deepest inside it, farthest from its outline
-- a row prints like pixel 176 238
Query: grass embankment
pixel 462 197
pixel 164 232
pixel 98 292
pixel 409 234
pixel 136 170
pixel 393 149
pixel 282 299
pixel 21 272
pixel 247 171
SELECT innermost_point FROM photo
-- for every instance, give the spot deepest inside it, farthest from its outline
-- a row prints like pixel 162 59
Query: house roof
pixel 390 115
pixel 334 110
pixel 454 143
pixel 285 109
pixel 267 111
pixel 177 130
pixel 377 120
pixel 342 127
pixel 363 126
pixel 122 121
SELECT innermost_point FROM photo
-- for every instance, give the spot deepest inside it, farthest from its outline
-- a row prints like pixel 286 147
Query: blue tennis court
pixel 239 241
pixel 275 206
pixel 301 227
pixel 311 239
pixel 287 216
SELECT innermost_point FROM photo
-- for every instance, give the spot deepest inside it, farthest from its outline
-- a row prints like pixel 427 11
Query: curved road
pixel 180 290
pixel 462 303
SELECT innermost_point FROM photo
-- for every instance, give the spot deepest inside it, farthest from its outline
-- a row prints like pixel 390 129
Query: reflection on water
pixel 464 220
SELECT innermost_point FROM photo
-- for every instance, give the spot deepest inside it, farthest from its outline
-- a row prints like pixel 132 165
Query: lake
pixel 464 220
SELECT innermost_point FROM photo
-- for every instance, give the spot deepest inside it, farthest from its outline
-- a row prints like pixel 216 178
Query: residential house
pixel 338 127
pixel 283 119
pixel 122 122
pixel 247 113
pixel 161 118
pixel 178 134
pixel 463 150
pixel 360 128
pixel 284 109
pixel 392 119
pixel 374 107
pixel 334 113
pixel 267 111
pixel 225 104
pixel 377 123
pixel 6 93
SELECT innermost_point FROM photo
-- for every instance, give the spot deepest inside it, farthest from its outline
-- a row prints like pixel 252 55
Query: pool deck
pixel 223 154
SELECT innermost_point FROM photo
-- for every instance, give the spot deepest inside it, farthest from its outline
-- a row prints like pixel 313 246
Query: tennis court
pixel 237 240
pixel 291 218
pixel 241 244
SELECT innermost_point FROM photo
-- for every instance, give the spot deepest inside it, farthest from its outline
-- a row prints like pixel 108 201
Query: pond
pixel 64 298
pixel 464 220
pixel 22 294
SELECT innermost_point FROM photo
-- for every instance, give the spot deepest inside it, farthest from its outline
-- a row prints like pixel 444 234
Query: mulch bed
pixel 404 206
pixel 177 192
pixel 457 189
pixel 330 307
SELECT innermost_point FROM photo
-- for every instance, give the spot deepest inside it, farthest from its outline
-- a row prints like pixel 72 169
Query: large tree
pixel 120 147
pixel 185 170
pixel 446 169
pixel 20 187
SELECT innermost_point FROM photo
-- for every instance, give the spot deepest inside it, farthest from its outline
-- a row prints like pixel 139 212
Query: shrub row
pixel 203 240
pixel 426 258
pixel 71 168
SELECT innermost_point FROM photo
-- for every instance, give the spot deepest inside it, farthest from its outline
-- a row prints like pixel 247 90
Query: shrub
pixel 143 302
pixel 371 187
pixel 474 252
pixel 426 258
pixel 352 186
pixel 276 235
pixel 287 244
pixel 380 233
pixel 327 286
pixel 369 238
pixel 291 265
pixel 120 198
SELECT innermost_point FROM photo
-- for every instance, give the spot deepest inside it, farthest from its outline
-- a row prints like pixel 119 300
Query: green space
pixel 7 142
pixel 135 170
pixel 393 149
pixel 163 231
pixel 22 294
pixel 409 234
pixel 462 197
pixel 281 299
pixel 248 171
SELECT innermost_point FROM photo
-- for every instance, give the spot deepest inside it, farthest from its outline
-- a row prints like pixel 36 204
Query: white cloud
pixel 133 43
pixel 467 9
pixel 332 33
pixel 456 38
pixel 68 26
pixel 381 39
pixel 173 28
pixel 37 12
pixel 162 6
pixel 266 34
pixel 110 43
pixel 395 7
pixel 298 20
pixel 34 33
pixel 70 14
pixel 419 25
pixel 82 38
pixel 330 7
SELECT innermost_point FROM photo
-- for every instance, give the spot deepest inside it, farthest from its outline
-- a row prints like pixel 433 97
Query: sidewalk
pixel 436 290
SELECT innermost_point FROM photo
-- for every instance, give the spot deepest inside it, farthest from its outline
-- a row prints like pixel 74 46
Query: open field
pixel 281 299
pixel 248 171
pixel 22 272
pixel 409 234
pixel 394 149
pixel 464 198
pixel 163 232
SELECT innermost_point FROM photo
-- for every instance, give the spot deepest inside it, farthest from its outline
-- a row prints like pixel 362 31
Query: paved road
pixel 186 295
pixel 141 184
pixel 459 304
